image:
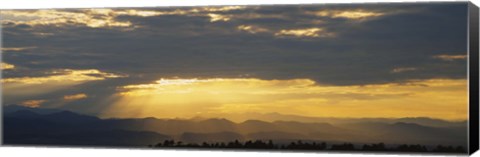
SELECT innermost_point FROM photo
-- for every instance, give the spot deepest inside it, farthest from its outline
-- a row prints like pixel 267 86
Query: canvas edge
pixel 473 57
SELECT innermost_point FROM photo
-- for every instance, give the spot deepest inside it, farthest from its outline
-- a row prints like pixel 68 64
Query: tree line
pixel 301 145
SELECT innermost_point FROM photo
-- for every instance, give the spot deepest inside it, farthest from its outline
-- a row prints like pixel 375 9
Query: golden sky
pixel 183 98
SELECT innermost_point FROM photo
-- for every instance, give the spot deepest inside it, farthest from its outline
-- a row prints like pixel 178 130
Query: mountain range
pixel 39 126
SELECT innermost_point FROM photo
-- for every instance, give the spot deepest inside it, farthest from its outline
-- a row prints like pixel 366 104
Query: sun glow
pixel 170 98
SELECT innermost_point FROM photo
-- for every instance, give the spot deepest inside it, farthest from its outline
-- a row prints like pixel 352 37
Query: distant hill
pixel 56 127
pixel 271 117
pixel 401 132
pixel 13 108
pixel 26 127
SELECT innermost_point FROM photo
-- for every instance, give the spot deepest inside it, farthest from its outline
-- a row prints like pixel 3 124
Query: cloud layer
pixel 97 51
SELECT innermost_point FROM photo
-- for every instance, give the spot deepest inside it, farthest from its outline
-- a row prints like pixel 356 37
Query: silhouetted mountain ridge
pixel 271 117
pixel 56 126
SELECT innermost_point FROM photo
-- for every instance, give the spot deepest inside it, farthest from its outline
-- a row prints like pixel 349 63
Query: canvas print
pixel 351 77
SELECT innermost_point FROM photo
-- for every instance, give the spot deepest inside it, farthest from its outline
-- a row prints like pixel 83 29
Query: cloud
pixel 103 18
pixel 6 66
pixel 75 97
pixel 221 9
pixel 53 85
pixel 192 11
pixel 42 34
pixel 450 57
pixel 258 16
pixel 33 103
pixel 356 14
pixel 91 18
pixel 16 49
pixel 64 75
pixel 403 69
pixel 252 29
pixel 338 59
pixel 218 17
pixel 144 13
pixel 307 32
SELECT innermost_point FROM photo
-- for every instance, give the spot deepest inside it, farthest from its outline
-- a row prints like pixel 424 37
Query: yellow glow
pixel 53 81
pixel 349 14
pixel 305 32
pixel 308 32
pixel 141 13
pixel 222 9
pixel 33 103
pixel 75 97
pixel 184 98
pixel 6 66
pixel 218 17
pixel 194 11
pixel 63 76
pixel 4 49
pixel 450 57
pixel 252 29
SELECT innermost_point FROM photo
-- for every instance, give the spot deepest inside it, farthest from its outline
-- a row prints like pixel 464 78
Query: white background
pixel 87 152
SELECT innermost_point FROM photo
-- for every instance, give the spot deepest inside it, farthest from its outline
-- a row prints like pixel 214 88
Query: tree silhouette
pixel 301 145
pixel 374 147
pixel 345 146
pixel 412 148
pixel 449 149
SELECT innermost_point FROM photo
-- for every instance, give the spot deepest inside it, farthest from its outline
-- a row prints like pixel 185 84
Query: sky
pixel 356 61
